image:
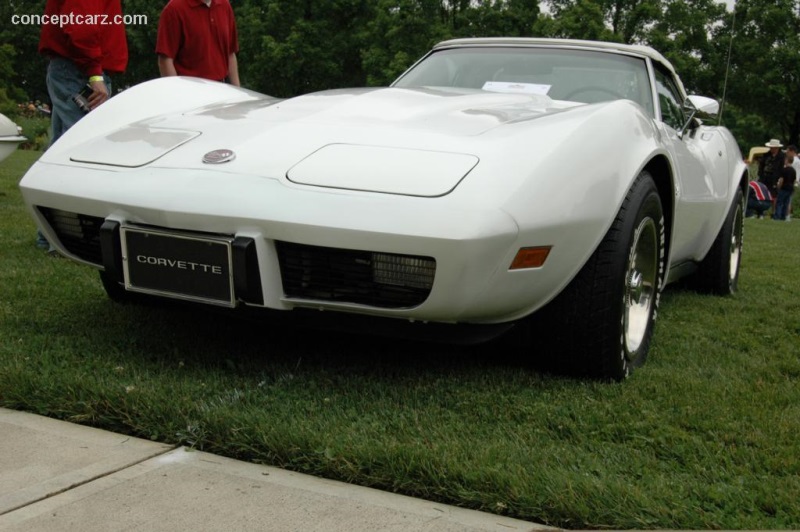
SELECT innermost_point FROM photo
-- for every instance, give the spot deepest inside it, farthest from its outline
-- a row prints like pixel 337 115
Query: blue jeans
pixel 65 80
pixel 782 204
pixel 756 207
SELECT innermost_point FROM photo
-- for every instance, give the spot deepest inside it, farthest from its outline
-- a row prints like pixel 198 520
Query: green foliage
pixel 583 19
pixel 10 93
pixel 704 436
pixel 616 20
pixel 498 18
pixel 292 48
pixel 22 69
pixel 37 131
pixel 749 128
pixel 7 105
pixel 765 63
pixel 407 29
pixel 7 53
pixel 682 35
pixel 142 62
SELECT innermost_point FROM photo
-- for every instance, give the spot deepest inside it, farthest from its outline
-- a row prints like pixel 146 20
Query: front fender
pixel 579 168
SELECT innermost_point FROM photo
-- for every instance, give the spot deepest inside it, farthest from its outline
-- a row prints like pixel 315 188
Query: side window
pixel 670 100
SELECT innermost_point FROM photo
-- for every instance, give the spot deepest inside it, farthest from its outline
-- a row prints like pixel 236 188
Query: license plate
pixel 183 266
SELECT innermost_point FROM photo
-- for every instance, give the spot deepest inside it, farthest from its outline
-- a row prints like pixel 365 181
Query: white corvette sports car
pixel 552 185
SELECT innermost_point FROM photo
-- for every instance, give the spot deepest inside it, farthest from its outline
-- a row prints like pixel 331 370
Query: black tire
pixel 718 273
pixel 601 324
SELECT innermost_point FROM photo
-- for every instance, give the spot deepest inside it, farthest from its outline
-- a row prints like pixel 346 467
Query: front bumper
pixel 472 245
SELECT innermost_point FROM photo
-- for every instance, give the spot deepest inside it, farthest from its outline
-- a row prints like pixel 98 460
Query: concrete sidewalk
pixel 59 476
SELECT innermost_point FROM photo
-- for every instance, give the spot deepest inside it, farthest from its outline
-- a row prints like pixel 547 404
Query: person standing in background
pixel 198 38
pixel 81 53
pixel 792 150
pixel 769 167
pixel 85 43
pixel 785 187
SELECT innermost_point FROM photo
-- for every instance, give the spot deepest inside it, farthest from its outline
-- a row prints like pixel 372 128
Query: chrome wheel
pixel 602 323
pixel 718 273
pixel 736 245
pixel 641 284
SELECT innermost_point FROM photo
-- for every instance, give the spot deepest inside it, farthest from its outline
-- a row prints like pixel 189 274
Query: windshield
pixel 562 74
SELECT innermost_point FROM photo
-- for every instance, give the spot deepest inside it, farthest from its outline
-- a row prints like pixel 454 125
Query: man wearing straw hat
pixel 770 166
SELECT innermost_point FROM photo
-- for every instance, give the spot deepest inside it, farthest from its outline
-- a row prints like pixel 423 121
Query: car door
pixel 700 179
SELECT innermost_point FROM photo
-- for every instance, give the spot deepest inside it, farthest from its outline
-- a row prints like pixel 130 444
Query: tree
pixel 619 20
pixel 290 47
pixel 22 69
pixel 765 63
pixel 142 59
pixel 683 34
pixel 399 33
pixel 498 18
pixel 582 19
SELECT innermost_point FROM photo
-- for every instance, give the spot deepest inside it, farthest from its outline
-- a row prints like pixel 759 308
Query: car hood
pixel 457 112
pixel 405 141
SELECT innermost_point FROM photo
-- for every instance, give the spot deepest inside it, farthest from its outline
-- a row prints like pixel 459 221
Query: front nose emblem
pixel 219 156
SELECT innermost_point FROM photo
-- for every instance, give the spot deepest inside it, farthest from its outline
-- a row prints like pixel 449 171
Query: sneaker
pixel 41 241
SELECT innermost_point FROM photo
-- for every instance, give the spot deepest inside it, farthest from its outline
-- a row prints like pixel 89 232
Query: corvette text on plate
pixel 180 264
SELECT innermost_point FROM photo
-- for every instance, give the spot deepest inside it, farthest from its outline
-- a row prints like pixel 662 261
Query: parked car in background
pixel 10 136
pixel 755 154
pixel 548 186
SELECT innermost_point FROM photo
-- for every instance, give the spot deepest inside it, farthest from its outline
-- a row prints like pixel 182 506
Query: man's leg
pixel 64 80
pixel 780 207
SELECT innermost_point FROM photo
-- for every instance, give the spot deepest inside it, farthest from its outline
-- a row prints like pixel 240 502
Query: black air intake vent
pixel 79 233
pixel 376 279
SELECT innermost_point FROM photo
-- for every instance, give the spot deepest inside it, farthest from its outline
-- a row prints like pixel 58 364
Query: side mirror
pixel 707 106
pixel 698 104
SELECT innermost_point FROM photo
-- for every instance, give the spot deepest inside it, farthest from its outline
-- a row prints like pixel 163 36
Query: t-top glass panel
pixel 583 76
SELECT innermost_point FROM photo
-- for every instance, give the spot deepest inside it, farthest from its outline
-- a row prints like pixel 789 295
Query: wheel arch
pixel 661 170
pixel 744 185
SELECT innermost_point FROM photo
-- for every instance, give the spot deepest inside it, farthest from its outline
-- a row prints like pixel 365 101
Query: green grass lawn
pixel 705 435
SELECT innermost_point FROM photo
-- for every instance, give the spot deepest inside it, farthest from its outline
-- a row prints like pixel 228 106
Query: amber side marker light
pixel 530 258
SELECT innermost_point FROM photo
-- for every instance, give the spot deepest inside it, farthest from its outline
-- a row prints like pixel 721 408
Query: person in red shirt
pixel 85 42
pixel 198 38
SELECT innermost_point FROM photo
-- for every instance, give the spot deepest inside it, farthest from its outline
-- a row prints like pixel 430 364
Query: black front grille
pixel 79 233
pixel 352 276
